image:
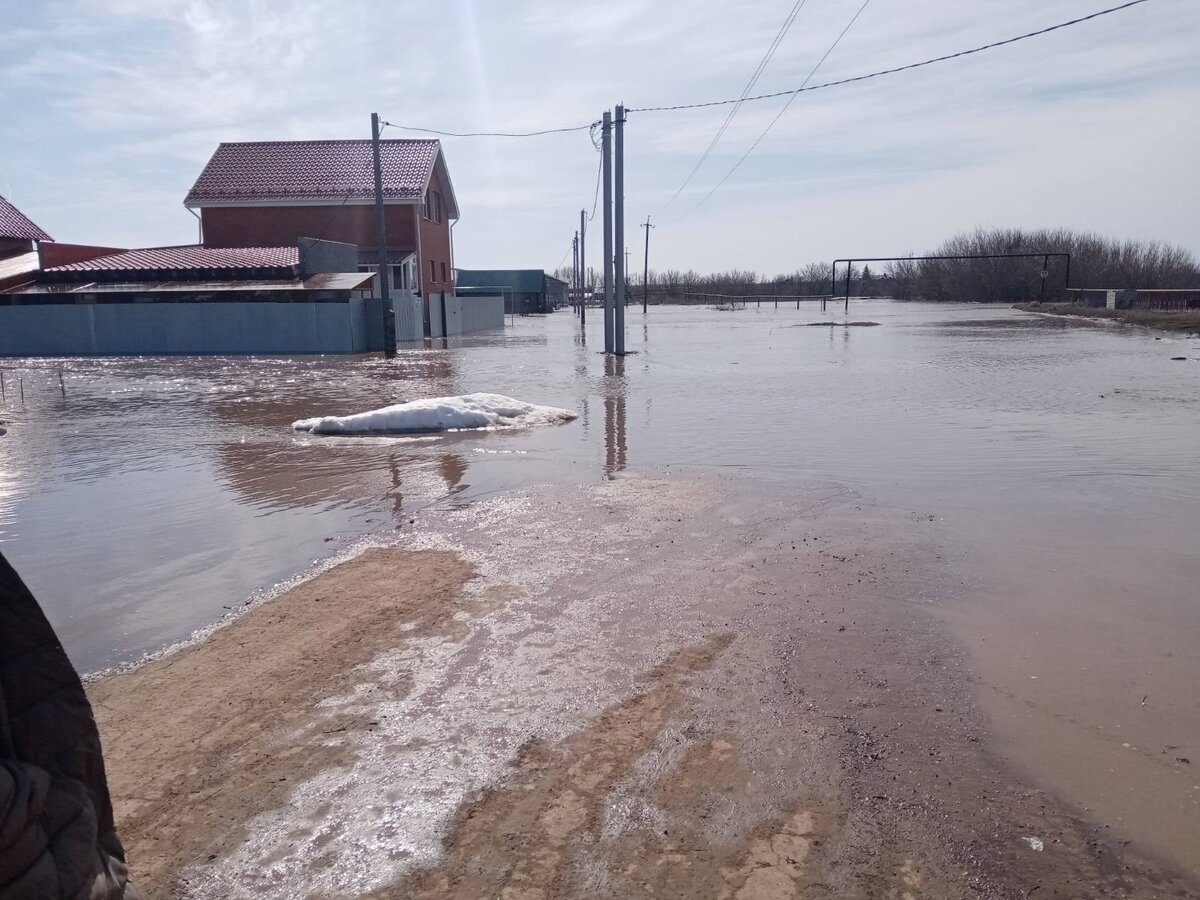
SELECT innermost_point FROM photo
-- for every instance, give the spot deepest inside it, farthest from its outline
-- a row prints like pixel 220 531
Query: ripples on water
pixel 161 491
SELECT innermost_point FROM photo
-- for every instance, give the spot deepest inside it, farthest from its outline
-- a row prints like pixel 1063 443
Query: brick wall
pixel 435 242
pixel 283 226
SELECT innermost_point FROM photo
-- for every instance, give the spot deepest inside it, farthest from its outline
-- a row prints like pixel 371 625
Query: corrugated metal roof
pixel 15 224
pixel 330 281
pixel 339 281
pixel 524 281
pixel 313 170
pixel 153 259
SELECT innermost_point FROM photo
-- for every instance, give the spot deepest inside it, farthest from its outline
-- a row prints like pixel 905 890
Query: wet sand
pixel 644 688
pixel 199 742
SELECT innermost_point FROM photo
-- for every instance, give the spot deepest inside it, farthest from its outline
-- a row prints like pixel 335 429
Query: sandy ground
pixel 192 741
pixel 640 689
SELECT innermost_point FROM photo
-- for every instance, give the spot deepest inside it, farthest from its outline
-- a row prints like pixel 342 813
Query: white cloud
pixel 113 106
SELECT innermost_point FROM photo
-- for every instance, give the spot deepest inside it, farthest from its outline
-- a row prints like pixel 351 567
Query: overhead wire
pixel 791 94
pixel 596 195
pixel 896 69
pixel 762 66
pixel 562 262
pixel 758 140
pixel 784 93
pixel 505 134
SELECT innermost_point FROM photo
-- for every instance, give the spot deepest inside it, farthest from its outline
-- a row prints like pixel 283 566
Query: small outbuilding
pixel 524 291
pixel 96 301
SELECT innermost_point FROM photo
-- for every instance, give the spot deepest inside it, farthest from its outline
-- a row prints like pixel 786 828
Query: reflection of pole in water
pixel 610 452
pixel 622 444
pixel 397 494
pixel 452 468
pixel 615 442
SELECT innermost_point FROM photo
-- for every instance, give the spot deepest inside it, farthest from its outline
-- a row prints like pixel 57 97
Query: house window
pixel 432 271
pixel 444 273
pixel 437 211
pixel 425 206
pixel 399 282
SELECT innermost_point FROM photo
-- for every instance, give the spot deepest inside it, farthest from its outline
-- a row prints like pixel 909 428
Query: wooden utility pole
pixel 619 232
pixel 646 265
pixel 389 314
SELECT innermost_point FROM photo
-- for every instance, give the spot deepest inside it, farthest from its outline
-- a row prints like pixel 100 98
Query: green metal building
pixel 524 290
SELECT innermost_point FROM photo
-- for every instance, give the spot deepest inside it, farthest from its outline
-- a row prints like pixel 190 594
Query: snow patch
pixel 468 411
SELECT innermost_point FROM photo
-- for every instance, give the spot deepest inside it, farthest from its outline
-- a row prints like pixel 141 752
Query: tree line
pixel 1096 262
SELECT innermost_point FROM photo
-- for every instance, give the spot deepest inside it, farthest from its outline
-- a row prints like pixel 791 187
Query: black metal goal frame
pixel 850 261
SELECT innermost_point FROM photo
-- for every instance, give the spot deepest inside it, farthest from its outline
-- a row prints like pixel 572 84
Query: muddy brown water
pixel 1059 458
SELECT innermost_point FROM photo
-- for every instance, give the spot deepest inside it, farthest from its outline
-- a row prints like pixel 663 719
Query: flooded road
pixel 142 499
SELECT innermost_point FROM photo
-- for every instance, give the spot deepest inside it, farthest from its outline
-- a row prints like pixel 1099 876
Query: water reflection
pixel 452 468
pixel 614 415
pixel 161 489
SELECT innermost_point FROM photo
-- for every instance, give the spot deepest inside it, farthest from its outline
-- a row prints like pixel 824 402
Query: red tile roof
pixel 153 259
pixel 15 224
pixel 313 170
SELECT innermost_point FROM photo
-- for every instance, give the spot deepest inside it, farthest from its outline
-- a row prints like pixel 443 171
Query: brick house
pixel 273 193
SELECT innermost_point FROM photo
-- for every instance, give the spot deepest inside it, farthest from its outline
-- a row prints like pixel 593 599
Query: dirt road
pixel 642 688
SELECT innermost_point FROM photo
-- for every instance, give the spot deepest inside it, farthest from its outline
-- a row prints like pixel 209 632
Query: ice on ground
pixel 468 411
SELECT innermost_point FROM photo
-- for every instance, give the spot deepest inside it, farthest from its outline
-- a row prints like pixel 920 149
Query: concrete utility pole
pixel 619 236
pixel 606 152
pixel 389 314
pixel 646 265
pixel 583 267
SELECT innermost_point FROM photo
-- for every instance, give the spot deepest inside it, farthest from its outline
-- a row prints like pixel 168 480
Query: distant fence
pixel 684 297
pixel 189 328
pixel 1154 298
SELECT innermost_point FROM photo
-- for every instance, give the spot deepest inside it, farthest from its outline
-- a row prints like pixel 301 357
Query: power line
pixel 816 87
pixel 916 65
pixel 596 195
pixel 785 106
pixel 790 94
pixel 506 134
pixel 762 66
pixel 563 261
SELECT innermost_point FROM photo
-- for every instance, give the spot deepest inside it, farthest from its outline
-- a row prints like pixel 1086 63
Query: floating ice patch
pixel 469 411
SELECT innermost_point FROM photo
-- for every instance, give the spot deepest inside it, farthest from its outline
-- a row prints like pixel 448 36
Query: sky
pixel 110 109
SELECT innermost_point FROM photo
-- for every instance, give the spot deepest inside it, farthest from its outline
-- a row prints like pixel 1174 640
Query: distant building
pixel 273 193
pixel 524 290
pixel 287 263
pixel 18 238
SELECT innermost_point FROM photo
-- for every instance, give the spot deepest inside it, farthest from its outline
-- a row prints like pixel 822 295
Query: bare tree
pixel 1096 261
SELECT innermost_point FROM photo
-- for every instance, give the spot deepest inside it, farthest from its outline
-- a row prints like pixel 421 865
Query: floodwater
pixel 144 498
